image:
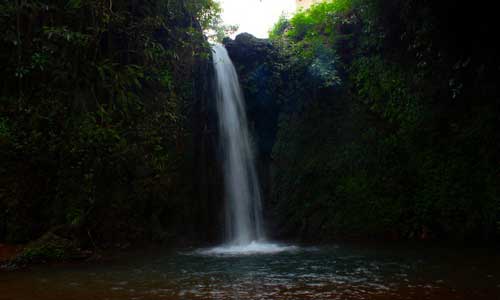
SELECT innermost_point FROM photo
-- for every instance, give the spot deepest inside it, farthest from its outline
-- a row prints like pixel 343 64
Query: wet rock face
pixel 257 63
pixel 247 49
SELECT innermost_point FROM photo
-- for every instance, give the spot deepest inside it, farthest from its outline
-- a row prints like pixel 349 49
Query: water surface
pixel 335 272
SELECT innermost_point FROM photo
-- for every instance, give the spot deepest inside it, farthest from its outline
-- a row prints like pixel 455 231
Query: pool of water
pixel 333 272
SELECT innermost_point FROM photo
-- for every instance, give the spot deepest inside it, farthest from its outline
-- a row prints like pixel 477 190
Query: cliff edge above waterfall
pixel 247 49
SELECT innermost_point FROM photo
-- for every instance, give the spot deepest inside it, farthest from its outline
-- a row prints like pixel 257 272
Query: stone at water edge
pixel 8 252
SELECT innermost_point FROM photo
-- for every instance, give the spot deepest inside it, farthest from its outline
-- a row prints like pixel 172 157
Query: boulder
pixel 247 49
pixel 48 248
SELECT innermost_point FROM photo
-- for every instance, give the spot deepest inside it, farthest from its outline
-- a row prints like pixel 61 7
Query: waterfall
pixel 244 230
pixel 242 191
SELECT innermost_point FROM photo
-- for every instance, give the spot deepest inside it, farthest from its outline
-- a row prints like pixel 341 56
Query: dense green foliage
pixel 395 132
pixel 94 107
pixel 373 118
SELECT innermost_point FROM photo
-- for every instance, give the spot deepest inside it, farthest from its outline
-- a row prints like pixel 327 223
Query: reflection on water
pixel 341 272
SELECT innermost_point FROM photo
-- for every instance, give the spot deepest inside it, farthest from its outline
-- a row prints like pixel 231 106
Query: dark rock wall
pixel 208 185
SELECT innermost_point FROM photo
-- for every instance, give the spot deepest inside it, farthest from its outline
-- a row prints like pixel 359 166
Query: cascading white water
pixel 242 191
pixel 243 200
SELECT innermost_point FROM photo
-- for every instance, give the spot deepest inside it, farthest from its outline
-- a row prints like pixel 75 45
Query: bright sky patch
pixel 255 16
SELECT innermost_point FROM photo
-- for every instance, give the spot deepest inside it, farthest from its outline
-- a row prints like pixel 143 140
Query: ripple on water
pixel 223 273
